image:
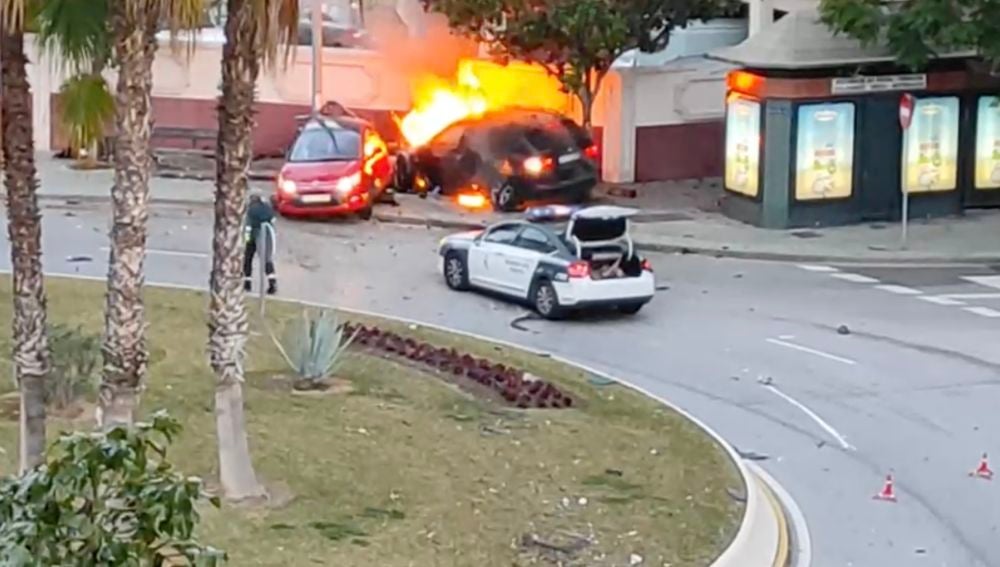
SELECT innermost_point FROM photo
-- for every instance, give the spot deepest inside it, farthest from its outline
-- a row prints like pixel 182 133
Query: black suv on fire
pixel 514 156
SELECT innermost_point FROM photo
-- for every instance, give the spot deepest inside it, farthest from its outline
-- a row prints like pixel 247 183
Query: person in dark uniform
pixel 259 212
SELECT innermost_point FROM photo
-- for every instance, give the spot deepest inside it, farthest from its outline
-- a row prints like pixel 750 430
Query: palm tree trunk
pixel 24 230
pixel 133 29
pixel 227 326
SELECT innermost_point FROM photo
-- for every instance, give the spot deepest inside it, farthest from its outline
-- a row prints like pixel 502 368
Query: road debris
pixel 843 330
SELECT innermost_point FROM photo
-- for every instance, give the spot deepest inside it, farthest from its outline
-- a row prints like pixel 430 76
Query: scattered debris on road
pixel 751 455
pixel 76 259
pixel 843 330
pixel 515 323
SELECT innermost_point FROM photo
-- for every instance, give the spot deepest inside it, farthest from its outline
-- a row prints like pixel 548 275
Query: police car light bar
pixel 551 213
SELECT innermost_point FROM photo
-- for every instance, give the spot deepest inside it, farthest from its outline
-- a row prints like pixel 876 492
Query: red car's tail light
pixel 579 269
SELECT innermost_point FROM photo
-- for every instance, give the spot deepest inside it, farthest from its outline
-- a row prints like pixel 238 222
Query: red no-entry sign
pixel 905 110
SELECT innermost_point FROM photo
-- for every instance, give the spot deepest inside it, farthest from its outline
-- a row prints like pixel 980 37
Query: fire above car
pixel 589 261
pixel 334 166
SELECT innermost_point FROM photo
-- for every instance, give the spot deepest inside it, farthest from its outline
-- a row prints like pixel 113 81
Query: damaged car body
pixel 513 157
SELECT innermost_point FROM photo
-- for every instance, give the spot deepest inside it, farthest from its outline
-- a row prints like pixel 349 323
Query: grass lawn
pixel 406 470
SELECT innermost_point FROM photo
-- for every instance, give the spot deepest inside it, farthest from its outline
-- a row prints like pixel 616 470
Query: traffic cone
pixel 983 470
pixel 888 493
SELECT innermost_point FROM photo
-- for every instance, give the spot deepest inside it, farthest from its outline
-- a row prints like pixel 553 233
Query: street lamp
pixel 317 56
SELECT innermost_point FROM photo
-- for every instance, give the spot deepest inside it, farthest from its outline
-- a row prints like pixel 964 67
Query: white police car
pixel 587 261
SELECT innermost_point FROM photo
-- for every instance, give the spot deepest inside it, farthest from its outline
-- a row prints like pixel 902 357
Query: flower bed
pixel 512 384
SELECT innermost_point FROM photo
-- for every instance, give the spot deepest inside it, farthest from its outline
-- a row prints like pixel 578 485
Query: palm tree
pixel 254 31
pixel 133 25
pixel 24 230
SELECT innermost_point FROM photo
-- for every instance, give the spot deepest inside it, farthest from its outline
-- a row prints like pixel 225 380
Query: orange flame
pixel 478 87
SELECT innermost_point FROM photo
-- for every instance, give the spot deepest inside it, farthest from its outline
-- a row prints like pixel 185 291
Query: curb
pixel 944 261
pixel 817 258
pixel 665 248
pixel 755 544
pixel 70 200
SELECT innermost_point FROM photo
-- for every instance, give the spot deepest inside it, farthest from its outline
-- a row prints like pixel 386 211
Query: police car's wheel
pixel 505 197
pixel 546 301
pixel 629 308
pixel 456 274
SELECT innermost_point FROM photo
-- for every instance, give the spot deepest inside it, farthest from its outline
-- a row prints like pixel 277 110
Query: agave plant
pixel 314 347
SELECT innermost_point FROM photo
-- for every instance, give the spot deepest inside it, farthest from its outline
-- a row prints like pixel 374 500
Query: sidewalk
pixel 676 217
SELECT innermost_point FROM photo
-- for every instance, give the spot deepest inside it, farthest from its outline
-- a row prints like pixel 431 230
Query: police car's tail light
pixel 592 152
pixel 579 269
pixel 647 266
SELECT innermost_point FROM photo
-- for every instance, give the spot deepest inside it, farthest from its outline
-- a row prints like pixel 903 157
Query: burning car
pixel 335 165
pixel 511 156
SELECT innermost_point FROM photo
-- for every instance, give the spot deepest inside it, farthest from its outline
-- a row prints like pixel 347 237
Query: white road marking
pixel 972 295
pixel 983 311
pixel 899 289
pixel 856 278
pixel 941 300
pixel 814 268
pixel 988 281
pixel 813 351
pixel 180 253
pixel 814 416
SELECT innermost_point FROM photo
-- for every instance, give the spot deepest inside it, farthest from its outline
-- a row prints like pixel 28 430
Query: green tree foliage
pixel 575 40
pixel 918 30
pixel 105 499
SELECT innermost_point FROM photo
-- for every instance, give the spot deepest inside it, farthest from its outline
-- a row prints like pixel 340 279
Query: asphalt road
pixel 751 348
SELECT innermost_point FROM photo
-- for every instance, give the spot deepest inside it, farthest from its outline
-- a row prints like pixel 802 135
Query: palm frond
pixel 183 16
pixel 277 28
pixel 75 30
pixel 87 107
pixel 19 15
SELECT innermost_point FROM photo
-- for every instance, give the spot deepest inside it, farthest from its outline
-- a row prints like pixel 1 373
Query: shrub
pixel 76 356
pixel 513 385
pixel 105 499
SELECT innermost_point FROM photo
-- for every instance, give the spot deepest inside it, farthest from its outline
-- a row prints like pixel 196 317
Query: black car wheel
pixel 505 197
pixel 629 308
pixel 456 273
pixel 365 213
pixel 546 301
pixel 403 177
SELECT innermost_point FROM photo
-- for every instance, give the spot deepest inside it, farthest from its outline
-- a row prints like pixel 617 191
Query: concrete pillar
pixel 761 15
pixel 618 143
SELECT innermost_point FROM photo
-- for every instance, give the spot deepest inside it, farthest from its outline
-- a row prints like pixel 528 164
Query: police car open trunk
pixel 600 236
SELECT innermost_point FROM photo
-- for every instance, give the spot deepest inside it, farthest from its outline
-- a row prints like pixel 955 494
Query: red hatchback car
pixel 335 166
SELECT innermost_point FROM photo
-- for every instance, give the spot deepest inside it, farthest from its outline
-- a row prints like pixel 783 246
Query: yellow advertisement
pixel 988 143
pixel 930 146
pixel 825 157
pixel 743 145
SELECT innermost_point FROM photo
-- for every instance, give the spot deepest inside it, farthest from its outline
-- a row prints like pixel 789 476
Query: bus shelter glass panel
pixel 930 146
pixel 988 143
pixel 824 163
pixel 743 145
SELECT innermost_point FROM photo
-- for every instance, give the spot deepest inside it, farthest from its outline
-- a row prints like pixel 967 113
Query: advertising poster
pixel 930 146
pixel 743 145
pixel 825 157
pixel 988 143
